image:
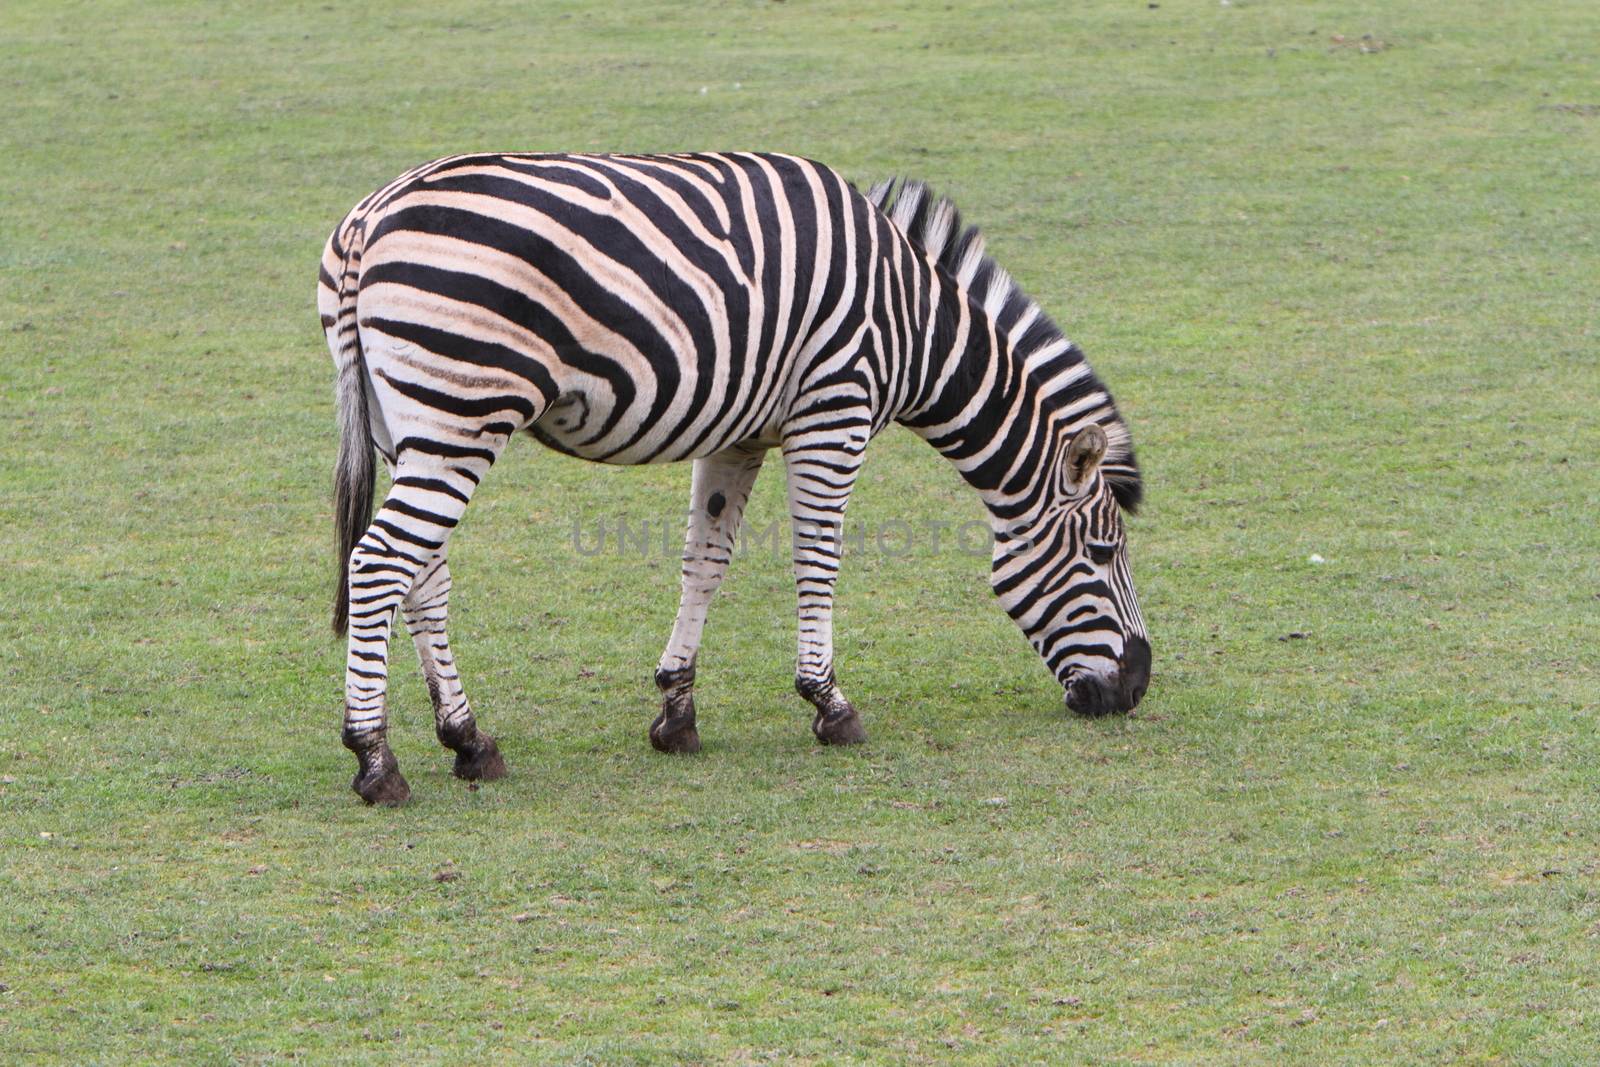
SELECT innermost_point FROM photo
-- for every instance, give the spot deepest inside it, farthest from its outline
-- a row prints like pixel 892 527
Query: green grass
pixel 1346 298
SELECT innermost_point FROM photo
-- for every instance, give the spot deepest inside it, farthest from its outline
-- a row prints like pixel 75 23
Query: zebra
pixel 710 307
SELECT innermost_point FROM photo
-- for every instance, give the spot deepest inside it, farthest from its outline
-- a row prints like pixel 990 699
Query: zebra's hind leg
pixel 427 613
pixel 716 504
pixel 425 502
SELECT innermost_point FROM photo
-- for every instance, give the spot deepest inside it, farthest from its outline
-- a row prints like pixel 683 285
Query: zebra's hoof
pixel 381 782
pixel 480 760
pixel 674 735
pixel 841 729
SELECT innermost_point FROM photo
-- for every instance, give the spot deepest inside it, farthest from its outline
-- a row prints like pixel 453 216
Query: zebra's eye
pixel 1101 553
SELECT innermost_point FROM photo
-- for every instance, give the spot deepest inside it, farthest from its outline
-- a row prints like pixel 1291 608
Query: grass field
pixel 1338 262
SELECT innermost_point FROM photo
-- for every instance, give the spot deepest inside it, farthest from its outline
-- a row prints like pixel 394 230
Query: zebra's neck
pixel 997 389
pixel 1000 411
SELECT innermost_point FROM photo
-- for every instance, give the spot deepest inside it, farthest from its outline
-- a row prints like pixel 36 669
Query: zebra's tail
pixel 354 472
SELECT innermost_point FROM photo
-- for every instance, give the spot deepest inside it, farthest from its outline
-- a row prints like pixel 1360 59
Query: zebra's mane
pixel 934 224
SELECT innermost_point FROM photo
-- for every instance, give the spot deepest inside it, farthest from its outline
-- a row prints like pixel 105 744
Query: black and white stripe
pixel 710 307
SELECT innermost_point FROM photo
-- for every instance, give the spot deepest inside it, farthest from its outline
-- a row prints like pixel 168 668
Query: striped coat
pixel 705 307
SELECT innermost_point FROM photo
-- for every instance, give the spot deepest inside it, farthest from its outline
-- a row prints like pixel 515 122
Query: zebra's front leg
pixel 427 612
pixel 717 500
pixel 822 470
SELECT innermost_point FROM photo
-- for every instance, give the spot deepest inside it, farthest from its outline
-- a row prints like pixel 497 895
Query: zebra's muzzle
pixel 1098 694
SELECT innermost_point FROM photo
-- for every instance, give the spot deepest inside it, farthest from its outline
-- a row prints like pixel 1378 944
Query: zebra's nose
pixel 1098 694
pixel 1092 694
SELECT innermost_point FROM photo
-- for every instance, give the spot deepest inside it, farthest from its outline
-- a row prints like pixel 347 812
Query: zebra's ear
pixel 1084 454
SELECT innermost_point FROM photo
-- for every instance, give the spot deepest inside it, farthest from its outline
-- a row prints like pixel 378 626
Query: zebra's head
pixel 1063 575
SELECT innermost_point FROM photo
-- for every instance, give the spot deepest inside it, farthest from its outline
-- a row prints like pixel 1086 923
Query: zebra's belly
pixel 598 428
